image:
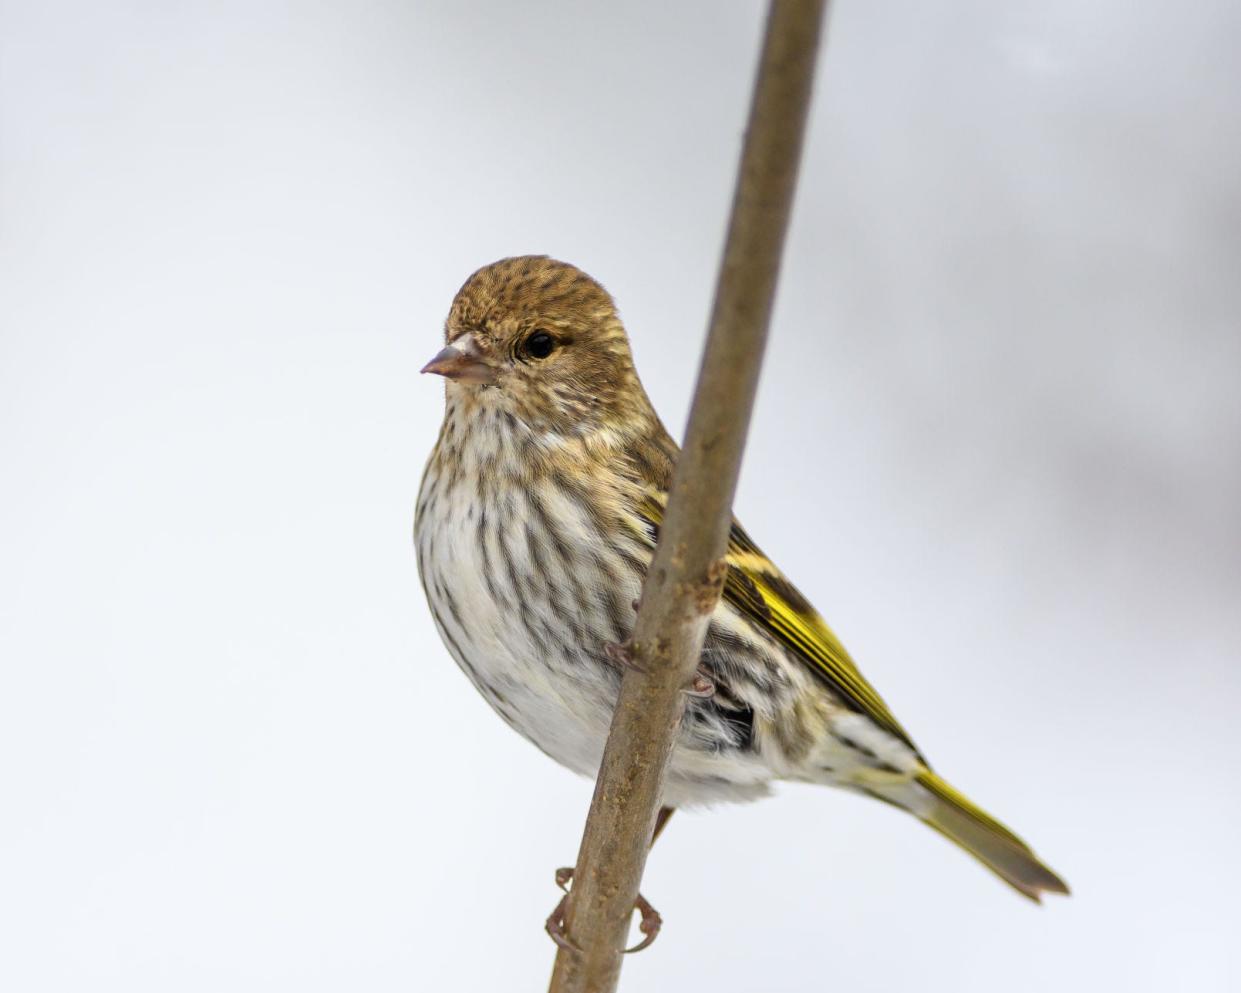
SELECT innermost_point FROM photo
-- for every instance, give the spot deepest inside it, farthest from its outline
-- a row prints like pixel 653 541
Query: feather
pixel 760 592
pixel 942 807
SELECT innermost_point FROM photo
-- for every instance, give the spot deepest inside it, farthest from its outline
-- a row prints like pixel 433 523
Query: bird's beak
pixel 462 360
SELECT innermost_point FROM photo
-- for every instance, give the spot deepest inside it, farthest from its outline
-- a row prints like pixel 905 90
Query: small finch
pixel 537 518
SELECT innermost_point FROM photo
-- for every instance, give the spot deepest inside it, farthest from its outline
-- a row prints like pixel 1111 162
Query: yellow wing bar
pixel 761 593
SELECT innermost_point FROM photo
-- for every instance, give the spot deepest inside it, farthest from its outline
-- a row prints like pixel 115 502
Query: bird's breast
pixel 525 591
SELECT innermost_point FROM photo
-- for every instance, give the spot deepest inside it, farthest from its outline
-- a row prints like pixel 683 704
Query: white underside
pixel 562 699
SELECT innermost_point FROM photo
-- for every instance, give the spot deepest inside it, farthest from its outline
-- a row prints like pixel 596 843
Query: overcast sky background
pixel 998 442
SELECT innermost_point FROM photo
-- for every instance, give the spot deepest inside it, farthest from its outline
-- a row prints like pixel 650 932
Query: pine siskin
pixel 538 514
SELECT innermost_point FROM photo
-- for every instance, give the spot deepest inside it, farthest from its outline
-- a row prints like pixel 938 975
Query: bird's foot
pixel 649 925
pixel 555 926
pixel 702 687
pixel 622 655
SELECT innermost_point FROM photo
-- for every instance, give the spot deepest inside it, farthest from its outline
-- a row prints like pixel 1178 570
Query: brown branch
pixel 687 574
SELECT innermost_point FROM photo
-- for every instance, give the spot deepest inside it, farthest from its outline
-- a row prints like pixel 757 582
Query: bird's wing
pixel 759 591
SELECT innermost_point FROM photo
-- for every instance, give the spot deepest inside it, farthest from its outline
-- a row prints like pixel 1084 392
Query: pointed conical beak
pixel 463 361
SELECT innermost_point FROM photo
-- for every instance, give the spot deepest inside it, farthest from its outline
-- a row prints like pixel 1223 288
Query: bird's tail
pixel 935 802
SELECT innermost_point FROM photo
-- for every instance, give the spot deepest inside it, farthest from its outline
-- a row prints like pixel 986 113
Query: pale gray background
pixel 997 442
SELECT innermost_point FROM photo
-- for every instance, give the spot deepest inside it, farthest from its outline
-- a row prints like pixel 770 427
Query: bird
pixel 535 523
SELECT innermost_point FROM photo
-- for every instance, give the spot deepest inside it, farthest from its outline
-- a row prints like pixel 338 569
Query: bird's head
pixel 541 341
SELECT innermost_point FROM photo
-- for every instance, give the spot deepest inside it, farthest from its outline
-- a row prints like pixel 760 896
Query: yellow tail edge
pixel 995 846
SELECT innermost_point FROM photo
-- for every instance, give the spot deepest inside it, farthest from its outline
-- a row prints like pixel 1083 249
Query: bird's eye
pixel 540 345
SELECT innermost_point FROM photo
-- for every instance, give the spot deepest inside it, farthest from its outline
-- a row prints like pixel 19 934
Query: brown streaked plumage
pixel 536 520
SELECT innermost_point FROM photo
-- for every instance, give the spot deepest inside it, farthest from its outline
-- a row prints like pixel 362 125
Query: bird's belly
pixel 529 635
pixel 528 629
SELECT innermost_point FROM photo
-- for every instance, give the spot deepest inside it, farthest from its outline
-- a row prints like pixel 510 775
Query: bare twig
pixel 687 574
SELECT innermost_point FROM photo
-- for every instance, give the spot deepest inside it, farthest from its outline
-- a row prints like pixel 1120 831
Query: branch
pixel 686 576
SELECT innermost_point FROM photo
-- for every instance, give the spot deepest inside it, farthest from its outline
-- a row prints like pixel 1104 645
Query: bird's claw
pixel 702 688
pixel 622 655
pixel 649 925
pixel 555 925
